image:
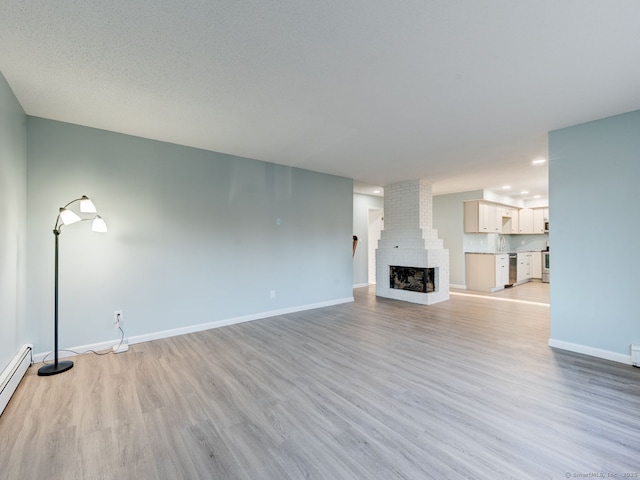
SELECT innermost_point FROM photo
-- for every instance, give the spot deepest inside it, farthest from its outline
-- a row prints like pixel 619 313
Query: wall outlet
pixel 117 319
pixel 272 294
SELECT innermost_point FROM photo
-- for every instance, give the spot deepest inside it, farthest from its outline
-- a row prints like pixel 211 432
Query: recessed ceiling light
pixel 376 191
pixel 539 161
pixel 506 187
pixel 524 192
pixel 537 196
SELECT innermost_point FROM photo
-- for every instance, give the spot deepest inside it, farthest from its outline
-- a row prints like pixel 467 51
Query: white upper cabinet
pixel 489 213
pixel 509 220
pixel 525 219
pixel 538 220
pixel 481 216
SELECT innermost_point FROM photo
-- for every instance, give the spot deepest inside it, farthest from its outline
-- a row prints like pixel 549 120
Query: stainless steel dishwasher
pixel 513 268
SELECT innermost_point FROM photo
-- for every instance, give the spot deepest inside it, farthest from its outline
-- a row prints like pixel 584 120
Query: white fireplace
pixel 409 246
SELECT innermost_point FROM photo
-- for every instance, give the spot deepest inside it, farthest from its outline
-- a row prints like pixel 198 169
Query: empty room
pixel 314 240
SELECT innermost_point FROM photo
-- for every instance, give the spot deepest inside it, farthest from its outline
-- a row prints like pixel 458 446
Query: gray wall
pixel 448 219
pixel 13 214
pixel 593 184
pixel 361 206
pixel 193 235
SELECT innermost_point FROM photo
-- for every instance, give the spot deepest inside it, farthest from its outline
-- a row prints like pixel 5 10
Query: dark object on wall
pixel 355 244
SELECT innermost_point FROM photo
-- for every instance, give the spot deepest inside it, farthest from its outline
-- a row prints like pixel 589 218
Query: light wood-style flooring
pixel 374 389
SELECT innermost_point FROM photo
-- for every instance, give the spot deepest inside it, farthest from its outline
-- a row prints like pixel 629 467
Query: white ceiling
pixel 460 92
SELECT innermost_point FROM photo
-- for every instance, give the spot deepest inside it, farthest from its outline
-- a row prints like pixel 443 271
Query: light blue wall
pixel 193 235
pixel 594 178
pixel 13 214
pixel 448 219
pixel 361 206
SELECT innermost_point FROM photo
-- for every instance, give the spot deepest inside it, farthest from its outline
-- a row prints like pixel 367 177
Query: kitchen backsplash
pixel 490 242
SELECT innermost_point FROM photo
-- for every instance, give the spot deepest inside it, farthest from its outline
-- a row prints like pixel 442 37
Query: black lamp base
pixel 53 369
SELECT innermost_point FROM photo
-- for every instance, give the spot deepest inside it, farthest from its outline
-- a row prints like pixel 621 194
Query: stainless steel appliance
pixel 513 268
pixel 545 267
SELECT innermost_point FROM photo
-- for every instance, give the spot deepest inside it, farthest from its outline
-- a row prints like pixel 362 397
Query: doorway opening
pixel 376 225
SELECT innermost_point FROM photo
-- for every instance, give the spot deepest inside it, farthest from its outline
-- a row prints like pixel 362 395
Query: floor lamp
pixel 67 217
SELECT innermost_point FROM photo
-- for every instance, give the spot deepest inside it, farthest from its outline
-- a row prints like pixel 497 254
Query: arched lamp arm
pixel 58 225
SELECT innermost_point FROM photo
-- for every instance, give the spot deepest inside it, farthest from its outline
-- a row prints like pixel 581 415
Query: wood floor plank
pixel 376 389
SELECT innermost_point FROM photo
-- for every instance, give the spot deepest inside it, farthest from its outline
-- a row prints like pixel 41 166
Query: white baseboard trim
pixel 460 287
pixel 191 329
pixel 360 285
pixel 12 375
pixel 591 351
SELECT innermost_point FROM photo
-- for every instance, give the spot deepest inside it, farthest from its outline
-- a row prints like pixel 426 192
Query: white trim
pixel 12 375
pixel 360 285
pixel 459 287
pixel 192 328
pixel 591 351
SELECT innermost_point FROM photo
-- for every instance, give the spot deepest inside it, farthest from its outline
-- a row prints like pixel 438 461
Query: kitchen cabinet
pixel 486 272
pixel 509 220
pixel 538 220
pixel 525 220
pixel 502 271
pixel 536 265
pixel 503 211
pixel 524 267
pixel 481 217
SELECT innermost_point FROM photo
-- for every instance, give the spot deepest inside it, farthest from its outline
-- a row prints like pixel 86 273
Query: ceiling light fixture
pixel 538 161
pixel 524 192
pixel 506 187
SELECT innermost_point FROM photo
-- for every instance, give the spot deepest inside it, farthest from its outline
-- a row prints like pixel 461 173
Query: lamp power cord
pixel 111 350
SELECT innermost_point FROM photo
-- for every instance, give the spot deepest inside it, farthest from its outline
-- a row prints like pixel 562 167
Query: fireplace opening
pixel 414 279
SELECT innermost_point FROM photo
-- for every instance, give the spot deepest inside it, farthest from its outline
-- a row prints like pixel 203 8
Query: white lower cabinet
pixel 502 271
pixel 536 265
pixel 486 272
pixel 489 272
pixel 524 267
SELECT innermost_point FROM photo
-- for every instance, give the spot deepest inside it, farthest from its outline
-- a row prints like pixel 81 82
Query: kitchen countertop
pixel 503 253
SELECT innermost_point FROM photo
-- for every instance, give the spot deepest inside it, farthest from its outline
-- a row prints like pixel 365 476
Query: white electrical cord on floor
pixel 121 347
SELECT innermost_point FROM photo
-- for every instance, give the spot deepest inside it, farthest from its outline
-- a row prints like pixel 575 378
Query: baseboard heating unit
pixel 11 376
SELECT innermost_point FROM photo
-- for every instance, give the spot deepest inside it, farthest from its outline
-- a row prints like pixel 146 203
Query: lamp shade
pixel 98 225
pixel 68 217
pixel 86 205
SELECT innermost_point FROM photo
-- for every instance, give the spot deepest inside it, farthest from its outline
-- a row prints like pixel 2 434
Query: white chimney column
pixel 409 240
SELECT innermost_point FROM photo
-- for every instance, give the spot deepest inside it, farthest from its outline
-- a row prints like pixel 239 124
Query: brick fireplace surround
pixel 409 240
